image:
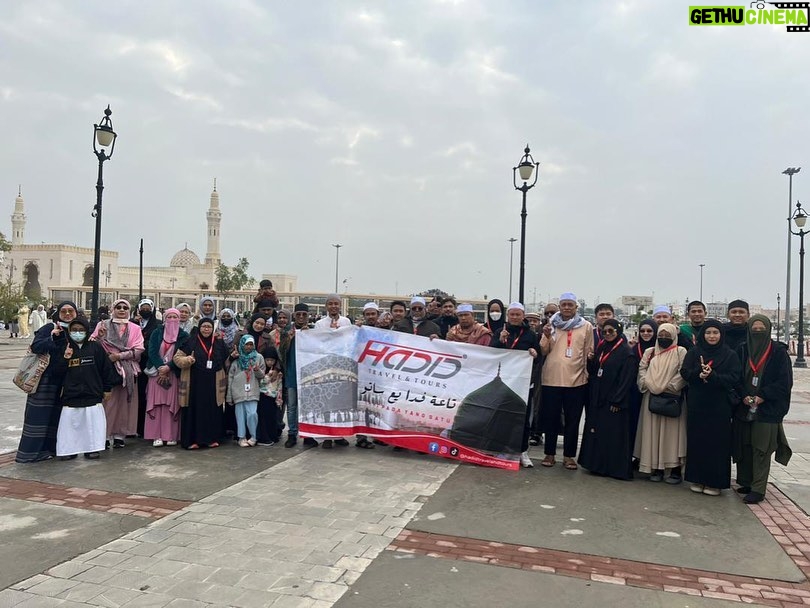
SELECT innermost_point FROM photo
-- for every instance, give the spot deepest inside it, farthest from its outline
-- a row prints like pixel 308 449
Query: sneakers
pixel 697 488
pixel 657 475
pixel 327 444
pixel 711 491
pixel 265 443
pixel 535 440
pixel 342 442
pixel 171 443
pixel 251 442
pixel 243 443
pixel 525 461
pixel 157 443
pixel 309 442
pixel 118 443
pixel 673 479
pixel 291 441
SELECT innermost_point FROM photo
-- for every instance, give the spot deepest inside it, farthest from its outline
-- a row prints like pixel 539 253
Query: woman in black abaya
pixel 712 370
pixel 606 448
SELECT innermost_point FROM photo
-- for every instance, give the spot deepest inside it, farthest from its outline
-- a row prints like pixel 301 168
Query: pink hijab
pixel 171 327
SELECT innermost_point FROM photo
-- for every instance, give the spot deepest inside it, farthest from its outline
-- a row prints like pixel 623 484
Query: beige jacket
pixel 562 371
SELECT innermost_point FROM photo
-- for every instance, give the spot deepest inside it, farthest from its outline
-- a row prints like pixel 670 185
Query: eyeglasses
pixel 609 331
pixel 548 313
pixel 417 308
pixel 121 307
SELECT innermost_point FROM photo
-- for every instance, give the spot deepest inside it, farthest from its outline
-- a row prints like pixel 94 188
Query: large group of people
pixel 675 402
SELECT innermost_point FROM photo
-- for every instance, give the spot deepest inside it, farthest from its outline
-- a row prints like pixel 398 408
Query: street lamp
pixel 800 219
pixel 525 168
pixel 790 172
pixel 511 252
pixel 103 139
pixel 701 281
pixel 337 263
pixel 778 307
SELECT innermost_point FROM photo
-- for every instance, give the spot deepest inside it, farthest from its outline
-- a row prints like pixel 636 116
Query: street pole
pixel 104 135
pixel 140 274
pixel 701 281
pixel 800 219
pixel 337 263
pixel 525 168
pixel 511 251
pixel 790 172
pixel 778 307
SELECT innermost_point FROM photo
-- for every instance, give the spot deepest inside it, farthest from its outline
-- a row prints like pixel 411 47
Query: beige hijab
pixel 664 367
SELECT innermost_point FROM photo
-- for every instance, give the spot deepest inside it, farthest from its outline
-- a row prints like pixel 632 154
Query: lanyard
pixel 760 365
pixel 640 352
pixel 207 351
pixel 570 338
pixel 522 329
pixel 604 356
pixel 666 350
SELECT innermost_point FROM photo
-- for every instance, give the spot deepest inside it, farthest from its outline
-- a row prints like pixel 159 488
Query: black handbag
pixel 666 404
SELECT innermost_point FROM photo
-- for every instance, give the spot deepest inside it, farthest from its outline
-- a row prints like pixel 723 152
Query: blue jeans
pixel 292 412
pixel 246 413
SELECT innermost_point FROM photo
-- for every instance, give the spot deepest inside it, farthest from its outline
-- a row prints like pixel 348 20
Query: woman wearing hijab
pixel 204 354
pixel 712 369
pixel 767 379
pixel 162 404
pixel 661 440
pixel 606 448
pixel 208 309
pixel 228 327
pixel 186 318
pixel 123 341
pixel 496 316
pixel 43 407
pixel 647 330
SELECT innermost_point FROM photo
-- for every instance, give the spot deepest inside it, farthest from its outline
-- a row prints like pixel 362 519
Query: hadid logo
pixel 411 360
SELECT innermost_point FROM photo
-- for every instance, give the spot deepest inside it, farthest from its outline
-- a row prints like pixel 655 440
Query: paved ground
pixel 355 528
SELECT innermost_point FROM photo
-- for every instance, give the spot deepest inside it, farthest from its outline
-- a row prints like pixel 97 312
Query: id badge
pixel 209 365
pixel 569 353
pixel 599 373
pixel 755 381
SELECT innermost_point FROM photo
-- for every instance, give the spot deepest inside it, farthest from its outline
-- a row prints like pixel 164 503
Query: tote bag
pixel 30 373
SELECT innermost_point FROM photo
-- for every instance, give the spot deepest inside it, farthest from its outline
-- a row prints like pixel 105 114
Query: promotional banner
pixel 445 398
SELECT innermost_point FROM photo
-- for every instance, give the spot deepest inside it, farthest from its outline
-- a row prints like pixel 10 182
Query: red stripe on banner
pixel 420 442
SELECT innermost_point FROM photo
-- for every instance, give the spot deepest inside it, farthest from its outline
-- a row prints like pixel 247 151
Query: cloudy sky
pixel 392 128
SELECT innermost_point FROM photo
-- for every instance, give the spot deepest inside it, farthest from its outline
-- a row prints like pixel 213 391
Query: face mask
pixel 78 336
pixel 495 316
pixel 146 314
pixel 665 342
pixel 226 322
pixel 63 325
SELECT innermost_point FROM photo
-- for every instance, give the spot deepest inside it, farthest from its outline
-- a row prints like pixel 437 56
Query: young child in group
pixel 271 399
pixel 243 389
pixel 90 374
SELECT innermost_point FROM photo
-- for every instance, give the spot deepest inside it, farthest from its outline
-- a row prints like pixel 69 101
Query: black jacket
pixel 619 373
pixel 775 383
pixel 89 375
pixel 445 323
pixel 521 337
pixel 426 328
pixel 151 325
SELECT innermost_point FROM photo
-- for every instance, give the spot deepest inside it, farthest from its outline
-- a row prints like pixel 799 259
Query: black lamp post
pixel 778 318
pixel 800 219
pixel 337 247
pixel 525 168
pixel 103 139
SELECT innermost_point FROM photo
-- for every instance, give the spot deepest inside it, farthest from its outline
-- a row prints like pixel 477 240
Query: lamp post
pixel 790 172
pixel 778 306
pixel 800 219
pixel 525 169
pixel 701 281
pixel 511 257
pixel 103 139
pixel 337 247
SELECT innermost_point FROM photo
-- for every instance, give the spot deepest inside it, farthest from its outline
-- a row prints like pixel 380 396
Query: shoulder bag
pixel 30 372
pixel 666 404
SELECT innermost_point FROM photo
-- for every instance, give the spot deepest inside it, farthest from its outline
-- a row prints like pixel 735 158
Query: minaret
pixel 214 217
pixel 18 220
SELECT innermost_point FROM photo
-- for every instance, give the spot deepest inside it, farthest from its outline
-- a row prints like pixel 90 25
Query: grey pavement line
pixel 296 534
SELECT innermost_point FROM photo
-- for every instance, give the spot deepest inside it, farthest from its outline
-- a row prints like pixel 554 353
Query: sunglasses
pixel 609 332
pixel 121 307
pixel 645 331
pixel 417 308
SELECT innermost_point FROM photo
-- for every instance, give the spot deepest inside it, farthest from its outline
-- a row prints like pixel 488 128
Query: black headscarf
pixel 253 318
pixel 758 345
pixel 645 344
pixel 604 345
pixel 496 326
pixel 707 349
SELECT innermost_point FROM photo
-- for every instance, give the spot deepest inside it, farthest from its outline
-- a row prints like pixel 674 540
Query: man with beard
pixel 662 314
pixel 736 330
pixel 333 318
pixel 371 313
pixel 286 353
pixel 517 335
pixel 448 317
pixel 417 322
pixel 697 316
pixel 468 330
pixel 146 319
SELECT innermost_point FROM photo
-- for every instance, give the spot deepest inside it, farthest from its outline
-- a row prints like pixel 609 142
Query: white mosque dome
pixel 184 258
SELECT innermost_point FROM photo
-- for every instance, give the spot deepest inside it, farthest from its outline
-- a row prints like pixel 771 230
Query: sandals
pixel 548 461
pixel 364 443
pixel 570 464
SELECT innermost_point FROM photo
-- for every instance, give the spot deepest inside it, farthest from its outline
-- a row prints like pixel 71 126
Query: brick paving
pixel 788 524
pixel 93 500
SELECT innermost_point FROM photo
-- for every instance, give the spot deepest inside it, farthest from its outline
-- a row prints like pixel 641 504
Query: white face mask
pixel 495 316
